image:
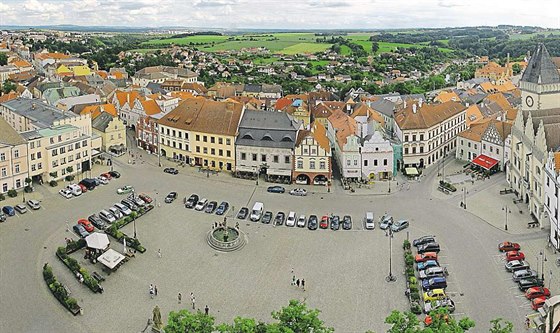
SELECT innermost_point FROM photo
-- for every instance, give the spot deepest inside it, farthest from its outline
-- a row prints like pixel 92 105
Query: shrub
pixel 75 245
pixel 12 193
pixel 48 274
pixel 409 261
pixel 61 251
pixel 73 264
pixel 406 245
pixel 71 303
pixel 412 280
pixel 53 183
pixel 28 189
pixel 2 197
pixel 415 308
pixel 409 271
pixel 414 296
pixel 413 289
pixel 69 178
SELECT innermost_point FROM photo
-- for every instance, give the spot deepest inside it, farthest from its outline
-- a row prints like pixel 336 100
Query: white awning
pixel 111 258
pixel 411 171
pixel 97 241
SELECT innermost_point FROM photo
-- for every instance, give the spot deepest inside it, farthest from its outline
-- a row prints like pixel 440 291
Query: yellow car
pixel 434 295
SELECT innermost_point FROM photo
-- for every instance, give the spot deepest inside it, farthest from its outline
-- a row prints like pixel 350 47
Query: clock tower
pixel 540 83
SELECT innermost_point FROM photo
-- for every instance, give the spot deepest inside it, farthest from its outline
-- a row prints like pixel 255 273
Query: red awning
pixel 485 162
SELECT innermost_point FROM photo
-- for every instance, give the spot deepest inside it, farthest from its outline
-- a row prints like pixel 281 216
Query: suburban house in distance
pixel 159 74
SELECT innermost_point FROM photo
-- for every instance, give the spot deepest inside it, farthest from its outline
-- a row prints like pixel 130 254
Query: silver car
pixel 34 204
pixel 116 212
pixel 301 221
pixel 386 222
pixel 125 210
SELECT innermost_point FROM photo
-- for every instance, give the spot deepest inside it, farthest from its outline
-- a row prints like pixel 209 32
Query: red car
pixel 324 222
pixel 84 189
pixel 426 256
pixel 145 197
pixel 514 255
pixel 538 302
pixel 106 175
pixel 508 246
pixel 87 224
pixel 537 292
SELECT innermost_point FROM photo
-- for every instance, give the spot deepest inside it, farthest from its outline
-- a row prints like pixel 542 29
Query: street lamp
pixel 543 259
pixel 390 277
pixel 464 201
pixel 133 217
pixel 506 209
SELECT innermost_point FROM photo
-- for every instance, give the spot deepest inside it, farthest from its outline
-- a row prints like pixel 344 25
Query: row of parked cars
pixel 528 280
pixel 202 204
pixel 280 189
pixel 108 216
pixel 20 208
pixel 88 184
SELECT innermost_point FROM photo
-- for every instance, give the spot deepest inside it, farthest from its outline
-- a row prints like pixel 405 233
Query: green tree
pixel 185 321
pixel 516 69
pixel 498 328
pixel 374 47
pixel 403 322
pixel 8 86
pixel 296 317
pixel 3 59
pixel 243 325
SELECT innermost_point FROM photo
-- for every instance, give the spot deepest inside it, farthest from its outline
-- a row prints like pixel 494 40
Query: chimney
pixel 32 106
pixel 413 108
pixel 467 104
pixel 420 101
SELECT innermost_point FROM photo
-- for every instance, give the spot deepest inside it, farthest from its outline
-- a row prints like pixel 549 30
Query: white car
pixel 291 220
pixel 75 189
pixel 301 221
pixel 299 192
pixel 66 193
pixel 201 204
pixel 34 204
pixel 125 210
pixel 116 212
pixel 103 180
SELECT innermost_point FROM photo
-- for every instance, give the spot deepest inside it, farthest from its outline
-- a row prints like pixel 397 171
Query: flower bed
pixel 447 186
pixel 412 291
pixel 59 291
pixel 73 246
pixel 75 267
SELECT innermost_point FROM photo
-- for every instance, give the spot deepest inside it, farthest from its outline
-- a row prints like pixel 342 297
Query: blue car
pixel 427 264
pixel 222 208
pixel 9 210
pixel 434 283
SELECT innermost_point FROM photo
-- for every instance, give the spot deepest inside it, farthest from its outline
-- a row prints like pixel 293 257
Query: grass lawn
pixel 207 39
pixel 308 48
pixel 345 50
pixel 528 36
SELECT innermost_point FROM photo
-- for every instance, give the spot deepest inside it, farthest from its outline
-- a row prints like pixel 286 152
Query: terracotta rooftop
pixel 427 116
pixel 343 125
pixel 475 132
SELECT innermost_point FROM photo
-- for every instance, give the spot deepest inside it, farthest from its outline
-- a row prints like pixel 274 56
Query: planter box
pixel 92 288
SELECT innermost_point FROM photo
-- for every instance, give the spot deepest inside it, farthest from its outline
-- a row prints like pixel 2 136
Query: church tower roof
pixel 541 69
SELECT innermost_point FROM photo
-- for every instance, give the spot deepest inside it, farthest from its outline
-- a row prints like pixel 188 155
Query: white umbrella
pixel 97 240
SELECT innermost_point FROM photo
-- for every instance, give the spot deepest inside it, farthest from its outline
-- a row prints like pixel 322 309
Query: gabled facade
pixel 377 158
pixel 342 132
pixel 312 157
pixel 552 196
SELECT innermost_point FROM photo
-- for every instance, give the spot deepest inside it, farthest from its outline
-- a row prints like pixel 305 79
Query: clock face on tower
pixel 529 101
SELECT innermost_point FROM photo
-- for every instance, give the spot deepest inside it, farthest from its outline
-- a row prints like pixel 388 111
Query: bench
pixel 68 291
pixel 532 224
pixel 98 277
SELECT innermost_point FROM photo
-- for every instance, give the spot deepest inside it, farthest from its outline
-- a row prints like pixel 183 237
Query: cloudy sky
pixel 282 14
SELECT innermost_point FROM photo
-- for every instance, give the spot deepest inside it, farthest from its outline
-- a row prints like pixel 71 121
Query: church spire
pixel 541 69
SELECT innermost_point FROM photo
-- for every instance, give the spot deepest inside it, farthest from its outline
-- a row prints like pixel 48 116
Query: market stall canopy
pixel 97 241
pixel 485 162
pixel 110 258
pixel 411 171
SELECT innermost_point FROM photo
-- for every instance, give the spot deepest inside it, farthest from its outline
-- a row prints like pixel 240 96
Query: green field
pixel 305 48
pixel 528 36
pixel 206 39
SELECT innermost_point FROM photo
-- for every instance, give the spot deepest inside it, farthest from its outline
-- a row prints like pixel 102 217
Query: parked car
pixel 386 222
pixel 171 197
pixel 515 255
pixel 508 246
pixel 447 303
pixel 347 222
pixel 87 225
pixel 535 292
pixel 211 207
pixel 9 210
pixel 291 220
pixel 191 201
pixel 335 222
pixel 83 187
pixel 434 294
pixel 75 189
pixel 103 180
pixel 430 247
pixel 427 264
pixel 115 174
pixel 2 216
pixel 422 257
pixel 400 225
pixel 299 192
pixel 88 183
pixel 171 171
pixel 279 218
pixel 147 199
pixel 34 204
pixel 524 274
pixel 424 240
pixel 97 221
pixel 107 216
pixel 130 204
pixel 529 283
pixel 116 212
pixel 276 189
pixel 431 272
pixel 106 175
pixel 267 217
pixel 125 189
pixel 434 283
pixel 138 201
pixel 369 221
pixel 80 230
pixel 312 222
pixel 515 265
pixel 538 302
pixel 66 193
pixel 301 221
pixel 222 208
pixel 124 209
pixel 243 212
pixel 324 224
pixel 20 208
pixel 201 204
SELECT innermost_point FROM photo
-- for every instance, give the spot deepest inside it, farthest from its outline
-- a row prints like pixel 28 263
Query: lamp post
pixel 506 209
pixel 390 277
pixel 133 217
pixel 543 260
pixel 549 278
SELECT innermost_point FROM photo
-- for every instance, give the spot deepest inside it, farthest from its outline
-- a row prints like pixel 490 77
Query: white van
pixel 75 189
pixel 369 221
pixel 257 211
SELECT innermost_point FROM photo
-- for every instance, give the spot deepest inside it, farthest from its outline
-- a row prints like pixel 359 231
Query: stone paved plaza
pixel 344 270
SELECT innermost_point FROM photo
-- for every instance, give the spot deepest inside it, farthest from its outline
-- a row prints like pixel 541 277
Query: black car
pixel 191 201
pixel 430 247
pixel 211 207
pixel 312 222
pixel 335 222
pixel 222 208
pixel 347 222
pixel 529 283
pixel 171 171
pixel 276 189
pixel 279 218
pixel 171 197
pixel 2 217
pixel 424 240
pixel 243 212
pixel 115 174
pixel 80 230
pixel 130 204
pixel 267 217
pixel 89 183
pixel 97 222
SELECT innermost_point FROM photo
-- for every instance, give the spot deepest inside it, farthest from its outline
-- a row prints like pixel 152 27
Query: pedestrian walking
pixel 67 226
pixel 193 300
pixel 297 283
pixel 179 298
pixel 155 290
pixel 206 310
pixel 159 253
pixel 293 279
pixel 303 284
pixel 237 225
pixel 151 290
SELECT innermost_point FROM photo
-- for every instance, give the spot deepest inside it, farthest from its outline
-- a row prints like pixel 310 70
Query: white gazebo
pixel 98 241
pixel 110 259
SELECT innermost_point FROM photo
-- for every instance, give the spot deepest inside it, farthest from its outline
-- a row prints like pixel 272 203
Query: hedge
pixel 59 292
pixel 75 267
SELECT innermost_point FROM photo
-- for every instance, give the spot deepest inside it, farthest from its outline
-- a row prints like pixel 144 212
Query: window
pixel 491 149
pixel 228 153
pixel 54 152
pixel 17 168
pixel 33 167
pixel 348 162
pixel 221 141
pixel 355 162
pixel 228 142
pixel 300 164
pixel 70 158
pixel 406 150
pixel 221 152
pixel 414 150
pixel 497 150
pixel 205 150
pixel 205 138
pixel 39 166
pixel 421 137
pixel 174 133
pixel 212 139
pixel 475 146
pixel 421 149
pixel 287 159
pixel 51 140
pixel 406 138
pixel 18 183
pixel 212 151
pixel 385 161
pixel 469 144
pixel 263 158
pixel 4 172
pixel 305 151
pixel 2 156
pixel 32 156
pixel 365 163
pixel 77 145
pixel 483 146
pixel 63 150
pixel 16 153
pixel 59 138
pixel 414 137
pixel 322 165
pixel 313 151
pixel 275 158
pixel 5 187
pixel 63 160
pixel 32 145
pixel 197 137
pixel 197 149
pixel 311 164
pixel 243 156
pixel 374 162
pixel 254 157
pixel 84 143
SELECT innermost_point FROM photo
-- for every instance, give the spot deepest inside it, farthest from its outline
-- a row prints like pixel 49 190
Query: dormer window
pixel 248 137
pixel 267 137
pixel 287 138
